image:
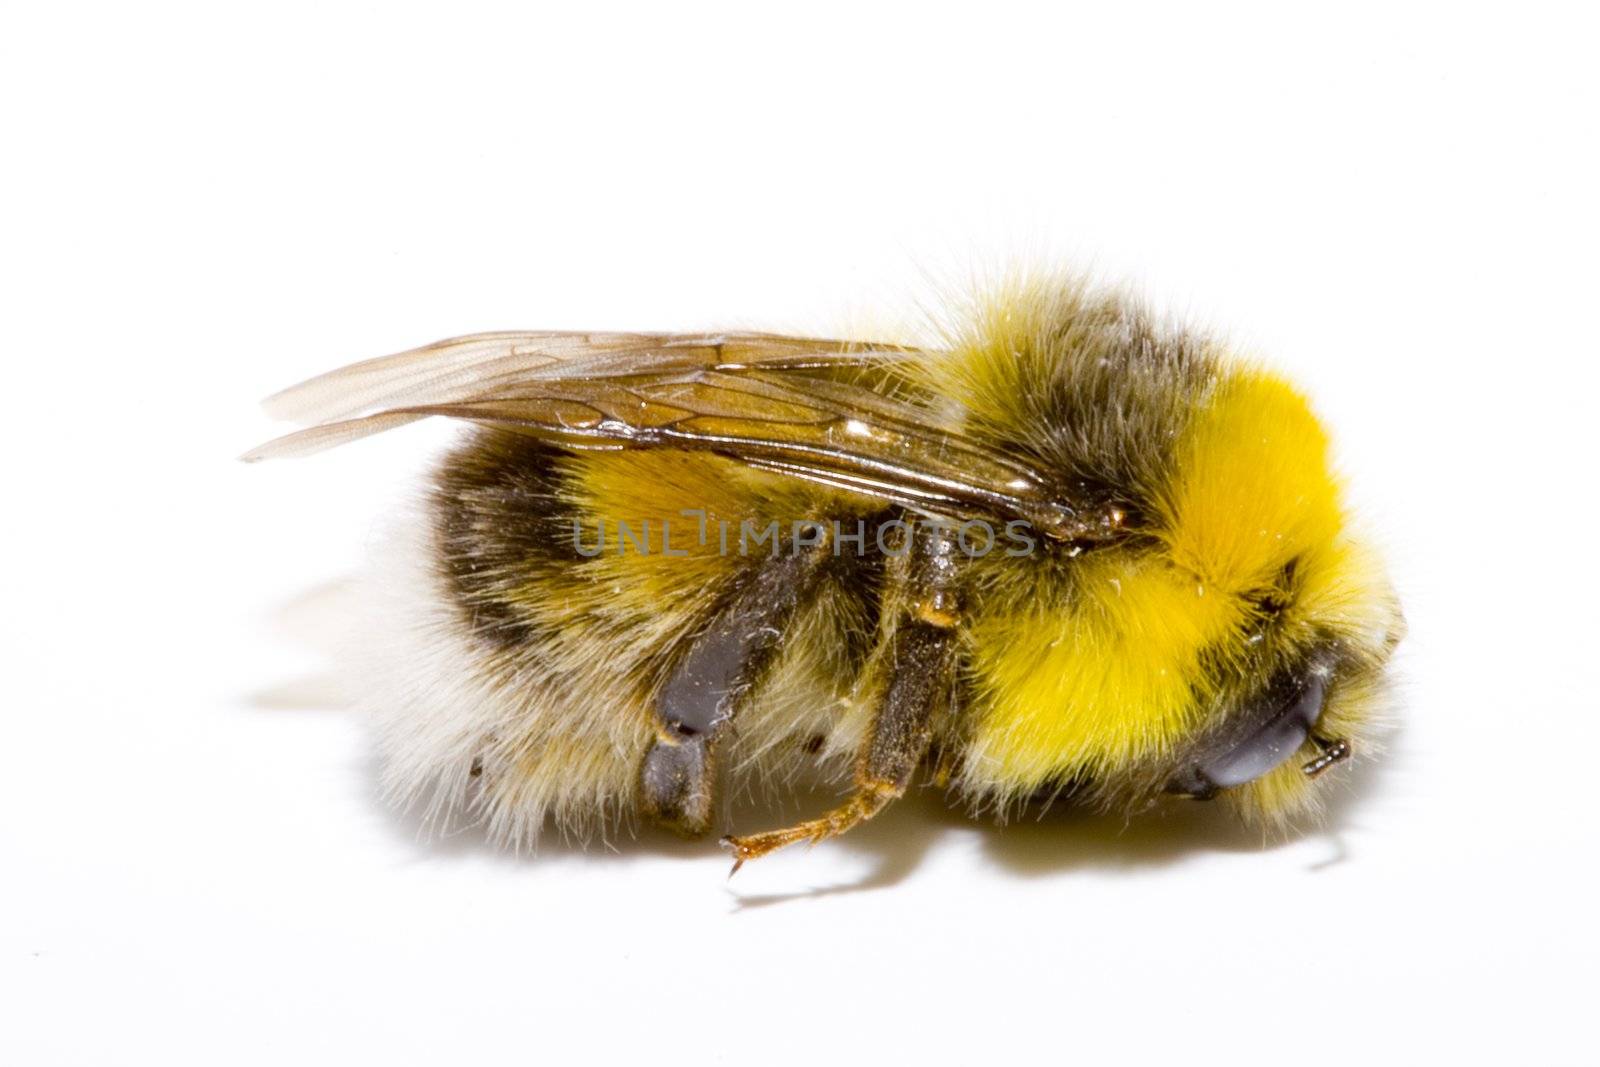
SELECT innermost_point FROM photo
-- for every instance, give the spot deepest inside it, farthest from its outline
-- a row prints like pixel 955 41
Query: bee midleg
pixel 918 655
pixel 702 694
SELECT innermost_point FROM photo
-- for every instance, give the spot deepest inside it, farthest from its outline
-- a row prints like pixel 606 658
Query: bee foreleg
pixel 700 696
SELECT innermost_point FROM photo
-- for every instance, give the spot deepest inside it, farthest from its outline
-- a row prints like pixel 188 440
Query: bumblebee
pixel 1065 552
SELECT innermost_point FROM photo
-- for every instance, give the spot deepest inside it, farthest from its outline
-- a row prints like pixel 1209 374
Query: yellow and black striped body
pixel 1102 668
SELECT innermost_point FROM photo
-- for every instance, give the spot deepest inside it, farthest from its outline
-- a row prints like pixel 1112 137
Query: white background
pixel 199 205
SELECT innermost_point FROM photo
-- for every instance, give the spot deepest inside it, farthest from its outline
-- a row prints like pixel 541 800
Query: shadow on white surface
pixel 1063 839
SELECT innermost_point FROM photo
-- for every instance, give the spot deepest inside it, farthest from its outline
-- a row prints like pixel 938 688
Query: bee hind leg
pixel 677 782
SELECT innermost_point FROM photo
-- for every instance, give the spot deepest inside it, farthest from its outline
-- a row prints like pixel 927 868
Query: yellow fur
pixel 1094 685
pixel 1253 488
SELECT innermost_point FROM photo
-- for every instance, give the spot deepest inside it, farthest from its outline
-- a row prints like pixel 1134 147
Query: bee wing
pixel 786 404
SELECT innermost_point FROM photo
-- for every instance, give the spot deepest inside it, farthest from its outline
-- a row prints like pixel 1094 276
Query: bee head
pixel 1291 680
pixel 1239 633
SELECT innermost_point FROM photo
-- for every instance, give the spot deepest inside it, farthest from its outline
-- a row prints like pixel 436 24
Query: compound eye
pixel 1272 744
pixel 1287 715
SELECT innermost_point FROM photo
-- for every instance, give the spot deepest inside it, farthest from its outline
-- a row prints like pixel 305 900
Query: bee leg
pixel 678 778
pixel 920 665
pixel 677 784
pixel 923 660
pixel 868 799
pixel 1332 752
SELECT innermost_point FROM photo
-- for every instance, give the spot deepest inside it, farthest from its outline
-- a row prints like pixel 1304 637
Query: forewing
pixel 463 367
pixel 780 403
